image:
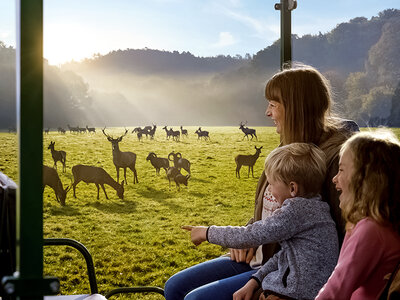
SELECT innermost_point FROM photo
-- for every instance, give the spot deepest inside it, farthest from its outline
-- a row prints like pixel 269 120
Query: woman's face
pixel 343 177
pixel 276 112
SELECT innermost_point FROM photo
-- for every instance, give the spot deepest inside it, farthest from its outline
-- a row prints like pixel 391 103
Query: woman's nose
pixel 334 179
pixel 267 113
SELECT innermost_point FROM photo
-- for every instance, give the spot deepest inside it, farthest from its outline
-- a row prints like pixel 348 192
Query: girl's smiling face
pixel 276 112
pixel 343 177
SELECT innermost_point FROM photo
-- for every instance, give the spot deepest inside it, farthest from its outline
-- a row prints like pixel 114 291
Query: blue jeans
pixel 215 279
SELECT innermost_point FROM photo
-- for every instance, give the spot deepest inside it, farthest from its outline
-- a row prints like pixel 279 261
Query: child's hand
pixel 197 233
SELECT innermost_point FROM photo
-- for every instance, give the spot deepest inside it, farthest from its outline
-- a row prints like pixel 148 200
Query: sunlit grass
pixel 138 240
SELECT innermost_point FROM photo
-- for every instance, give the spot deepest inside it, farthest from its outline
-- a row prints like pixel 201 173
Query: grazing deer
pixel 98 176
pixel 46 131
pixel 58 156
pixel 122 159
pixel 200 134
pixel 247 160
pixel 51 179
pixel 247 131
pixel 175 174
pixel 90 129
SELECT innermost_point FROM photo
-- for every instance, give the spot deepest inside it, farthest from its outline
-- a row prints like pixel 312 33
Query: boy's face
pixel 343 177
pixel 280 190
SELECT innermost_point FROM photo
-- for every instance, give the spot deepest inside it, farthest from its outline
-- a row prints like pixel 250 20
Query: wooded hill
pixel 144 86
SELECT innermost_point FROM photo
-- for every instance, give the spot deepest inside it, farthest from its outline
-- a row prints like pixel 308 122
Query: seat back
pixel 392 288
pixel 8 190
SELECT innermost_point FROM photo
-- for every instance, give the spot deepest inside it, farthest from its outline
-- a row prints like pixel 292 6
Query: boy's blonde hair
pixel 302 163
pixel 375 184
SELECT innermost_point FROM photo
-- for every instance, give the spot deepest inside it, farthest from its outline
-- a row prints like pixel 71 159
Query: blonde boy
pixel 302 226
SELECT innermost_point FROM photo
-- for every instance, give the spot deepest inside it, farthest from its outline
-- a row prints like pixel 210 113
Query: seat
pixel 392 288
pixel 92 274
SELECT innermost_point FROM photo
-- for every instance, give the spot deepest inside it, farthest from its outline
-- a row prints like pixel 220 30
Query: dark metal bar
pixel 29 122
pixel 286 6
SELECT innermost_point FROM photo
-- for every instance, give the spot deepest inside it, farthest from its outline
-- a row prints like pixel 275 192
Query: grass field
pixel 138 240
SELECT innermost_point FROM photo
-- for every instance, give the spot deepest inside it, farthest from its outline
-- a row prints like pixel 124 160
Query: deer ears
pixel 294 188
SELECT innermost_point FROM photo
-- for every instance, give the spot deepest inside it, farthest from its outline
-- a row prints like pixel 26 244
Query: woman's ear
pixel 294 188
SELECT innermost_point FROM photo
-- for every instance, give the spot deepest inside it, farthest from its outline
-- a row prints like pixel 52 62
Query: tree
pixel 377 106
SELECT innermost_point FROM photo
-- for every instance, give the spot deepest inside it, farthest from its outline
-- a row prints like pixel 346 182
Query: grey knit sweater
pixel 309 246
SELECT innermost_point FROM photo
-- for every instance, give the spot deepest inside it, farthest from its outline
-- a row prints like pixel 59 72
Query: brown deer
pixel 122 159
pixel 174 174
pixel 247 160
pixel 57 156
pixel 98 176
pixel 51 179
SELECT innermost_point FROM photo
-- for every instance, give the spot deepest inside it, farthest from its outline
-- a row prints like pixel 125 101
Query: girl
pixel 368 180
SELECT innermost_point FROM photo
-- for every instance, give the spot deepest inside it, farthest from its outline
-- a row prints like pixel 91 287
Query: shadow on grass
pixel 195 179
pixel 64 211
pixel 114 207
pixel 151 193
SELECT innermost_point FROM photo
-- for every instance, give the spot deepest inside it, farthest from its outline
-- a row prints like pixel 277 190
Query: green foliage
pixel 138 240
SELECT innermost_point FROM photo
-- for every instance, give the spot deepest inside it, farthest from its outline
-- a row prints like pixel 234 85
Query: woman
pixel 300 106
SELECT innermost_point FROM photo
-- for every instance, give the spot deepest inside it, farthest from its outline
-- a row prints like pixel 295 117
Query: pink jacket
pixel 369 253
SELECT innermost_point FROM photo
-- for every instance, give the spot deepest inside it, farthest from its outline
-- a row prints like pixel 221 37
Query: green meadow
pixel 138 240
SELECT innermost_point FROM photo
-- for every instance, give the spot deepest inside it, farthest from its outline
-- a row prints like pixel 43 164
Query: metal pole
pixel 286 7
pixel 28 281
pixel 30 132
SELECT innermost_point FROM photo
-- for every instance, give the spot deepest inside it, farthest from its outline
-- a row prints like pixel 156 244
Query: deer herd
pixel 127 159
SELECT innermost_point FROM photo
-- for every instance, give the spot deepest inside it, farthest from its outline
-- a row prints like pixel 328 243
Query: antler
pixel 169 156
pixel 108 137
pixel 178 155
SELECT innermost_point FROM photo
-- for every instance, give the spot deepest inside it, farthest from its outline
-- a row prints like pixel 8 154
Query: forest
pixel 144 86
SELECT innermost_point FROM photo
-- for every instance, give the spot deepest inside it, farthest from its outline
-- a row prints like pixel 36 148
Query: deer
pixel 98 176
pixel 73 129
pixel 179 161
pixel 152 131
pixel 175 174
pixel 200 133
pixel 176 134
pixel 122 159
pixel 184 132
pixel 58 156
pixel 247 160
pixel 51 179
pixel 90 129
pixel 247 131
pixel 158 162
pixel 168 132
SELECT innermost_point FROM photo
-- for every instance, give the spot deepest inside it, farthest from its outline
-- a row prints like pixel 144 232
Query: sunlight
pixel 66 42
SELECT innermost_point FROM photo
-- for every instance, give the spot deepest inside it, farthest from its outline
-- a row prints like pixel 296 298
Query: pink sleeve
pixel 360 253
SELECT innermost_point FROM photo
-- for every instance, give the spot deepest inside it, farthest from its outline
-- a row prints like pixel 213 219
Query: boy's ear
pixel 294 188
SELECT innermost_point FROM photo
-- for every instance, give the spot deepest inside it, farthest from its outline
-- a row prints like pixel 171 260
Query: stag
pixel 51 179
pixel 57 156
pixel 248 131
pixel 247 160
pixel 98 176
pixel 122 159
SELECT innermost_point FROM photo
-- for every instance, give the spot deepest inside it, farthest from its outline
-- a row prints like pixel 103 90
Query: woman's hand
pixel 242 255
pixel 198 234
pixel 246 292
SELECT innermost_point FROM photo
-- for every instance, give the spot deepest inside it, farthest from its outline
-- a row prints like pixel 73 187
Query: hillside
pixel 144 86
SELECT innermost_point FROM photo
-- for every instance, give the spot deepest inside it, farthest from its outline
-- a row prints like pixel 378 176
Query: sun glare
pixel 63 43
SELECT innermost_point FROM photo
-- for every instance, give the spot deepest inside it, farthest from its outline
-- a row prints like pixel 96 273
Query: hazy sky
pixel 74 29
